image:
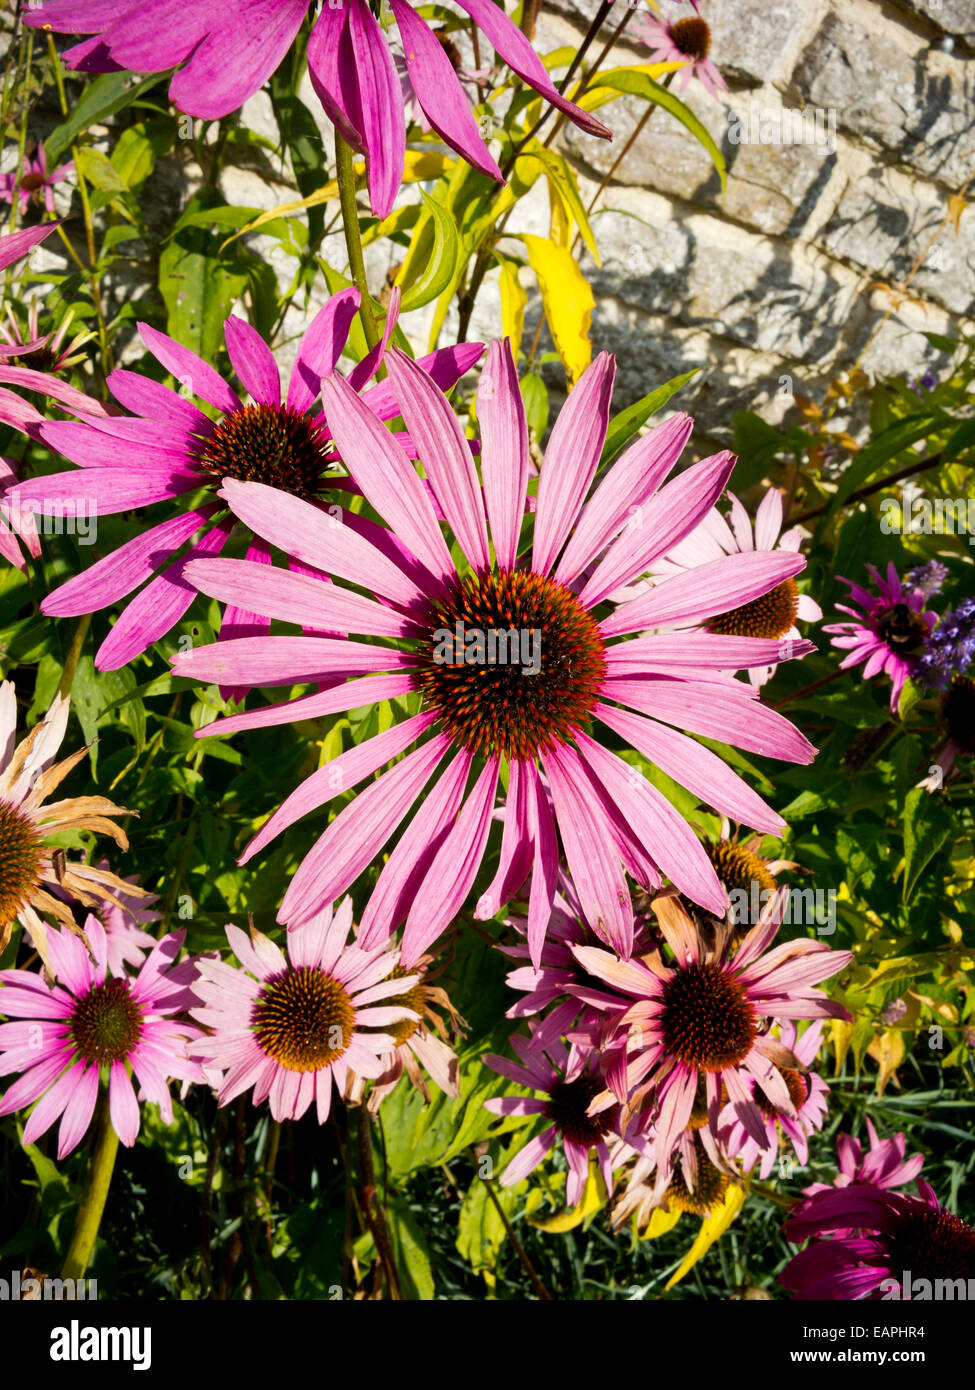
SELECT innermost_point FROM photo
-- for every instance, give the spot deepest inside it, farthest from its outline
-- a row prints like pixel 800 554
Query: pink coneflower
pixel 420 1044
pixel 34 182
pixel 563 658
pixel 888 634
pixel 569 1079
pixel 35 874
pixel 225 51
pixel 124 921
pixel 807 1092
pixel 681 41
pixel 774 615
pixel 698 1185
pixel 745 873
pixel 46 352
pixel 168 449
pixel 699 1019
pixel 870 1243
pixel 289 1028
pixel 94 1024
pixel 885 1165
pixel 16 244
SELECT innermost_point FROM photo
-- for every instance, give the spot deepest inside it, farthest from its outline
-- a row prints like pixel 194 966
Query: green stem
pixel 345 176
pixel 91 1209
pixel 74 654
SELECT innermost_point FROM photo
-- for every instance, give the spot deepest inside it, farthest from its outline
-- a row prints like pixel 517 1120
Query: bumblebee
pixel 902 629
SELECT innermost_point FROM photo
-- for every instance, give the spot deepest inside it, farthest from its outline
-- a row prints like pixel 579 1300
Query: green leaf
pixel 199 288
pixel 136 150
pixel 96 168
pixel 639 84
pixel 440 232
pixel 535 395
pixel 413 1263
pixel 562 176
pixel 480 1230
pixel 624 426
pixel 302 139
pixel 107 94
pixel 927 825
pixel 963 437
pixel 756 443
pixel 892 441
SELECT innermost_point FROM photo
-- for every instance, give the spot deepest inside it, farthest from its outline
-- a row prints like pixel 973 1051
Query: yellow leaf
pixel 887 1050
pixel 956 206
pixel 559 227
pixel 568 302
pixel 513 300
pixel 712 1228
pixel 593 1197
pixel 661 1221
pixel 594 97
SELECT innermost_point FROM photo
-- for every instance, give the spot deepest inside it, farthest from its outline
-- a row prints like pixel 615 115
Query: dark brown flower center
pixel 21 856
pixel 796 1086
pixel 414 999
pixel 567 1105
pixel 901 628
pixel 709 1187
pixel 692 36
pixel 450 48
pixel 771 616
pixel 107 1023
pixel 32 182
pixel 269 444
pixel 958 713
pixel 304 1019
pixel 932 1244
pixel 707 1020
pixel 513 663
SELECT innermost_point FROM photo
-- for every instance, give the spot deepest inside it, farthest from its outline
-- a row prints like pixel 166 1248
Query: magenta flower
pixel 34 182
pixel 530 710
pixel 569 1079
pixel 772 616
pixel 681 41
pixel 807 1092
pixel 225 51
pixel 699 1020
pixel 870 1243
pixel 885 1164
pixel 289 1027
pixel 888 634
pixel 47 352
pixel 168 449
pixel 92 1025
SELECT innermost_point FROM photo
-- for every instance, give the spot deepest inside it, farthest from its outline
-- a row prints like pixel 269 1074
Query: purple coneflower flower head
pixel 569 1080
pixel 870 1243
pixel 884 1165
pixel 698 1020
pixel 773 616
pixel 949 649
pixel 34 182
pixel 685 40
pixel 420 1044
pixel 225 51
pixel 807 1092
pixel 515 657
pixel 291 1027
pixel 35 875
pixel 168 448
pixel 888 632
pixel 699 1184
pixel 45 352
pixel 91 1026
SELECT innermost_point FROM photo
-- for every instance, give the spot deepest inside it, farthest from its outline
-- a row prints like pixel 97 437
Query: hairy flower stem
pixel 96 1193
pixel 372 1208
pixel 345 176
pixel 74 654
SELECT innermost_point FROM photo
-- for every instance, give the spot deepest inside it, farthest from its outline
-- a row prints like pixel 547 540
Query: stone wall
pixel 778 277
